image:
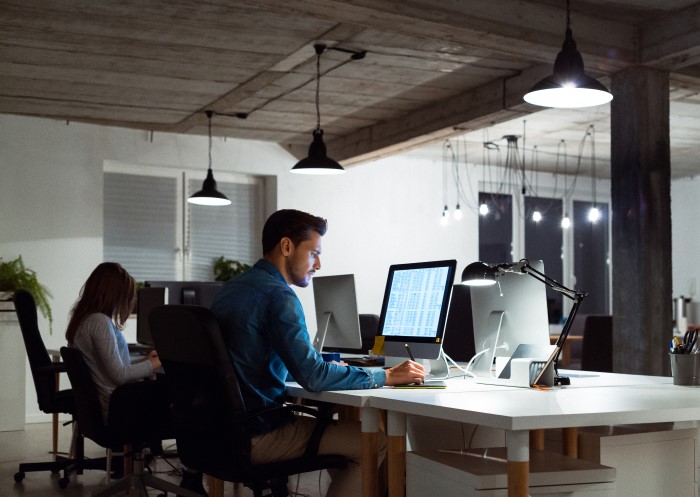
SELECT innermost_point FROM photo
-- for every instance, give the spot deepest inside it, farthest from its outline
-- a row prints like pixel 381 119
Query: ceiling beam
pixel 672 42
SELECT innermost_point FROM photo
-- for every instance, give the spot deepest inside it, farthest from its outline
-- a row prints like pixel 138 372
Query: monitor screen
pixel 337 320
pixel 415 308
pixel 147 299
pixel 189 292
pixel 519 304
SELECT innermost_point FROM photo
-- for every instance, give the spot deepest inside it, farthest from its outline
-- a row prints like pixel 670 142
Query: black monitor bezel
pixel 451 265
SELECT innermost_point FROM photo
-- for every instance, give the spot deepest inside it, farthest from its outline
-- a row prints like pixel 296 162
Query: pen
pixel 410 354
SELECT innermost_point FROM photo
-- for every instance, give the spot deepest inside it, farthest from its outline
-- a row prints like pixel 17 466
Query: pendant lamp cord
pixel 209 114
pixel 568 16
pixel 319 51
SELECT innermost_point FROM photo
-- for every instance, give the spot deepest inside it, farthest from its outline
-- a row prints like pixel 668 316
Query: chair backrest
pixel 205 394
pixel 45 384
pixel 369 327
pixel 88 411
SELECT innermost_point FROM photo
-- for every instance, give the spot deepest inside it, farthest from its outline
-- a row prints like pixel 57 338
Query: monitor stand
pixel 320 338
pixel 482 365
pixel 439 369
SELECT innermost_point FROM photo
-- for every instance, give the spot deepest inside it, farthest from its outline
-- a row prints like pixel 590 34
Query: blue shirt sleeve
pixel 286 329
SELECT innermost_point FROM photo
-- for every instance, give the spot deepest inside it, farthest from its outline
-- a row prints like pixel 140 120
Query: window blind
pixel 140 224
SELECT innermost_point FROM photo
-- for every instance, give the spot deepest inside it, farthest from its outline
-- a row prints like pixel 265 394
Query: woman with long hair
pixel 95 328
pixel 98 317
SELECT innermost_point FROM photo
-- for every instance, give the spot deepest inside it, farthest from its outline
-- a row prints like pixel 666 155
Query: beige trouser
pixel 343 438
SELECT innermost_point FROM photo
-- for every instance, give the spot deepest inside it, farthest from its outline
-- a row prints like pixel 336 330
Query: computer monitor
pixel 147 299
pixel 507 314
pixel 336 314
pixel 414 309
pixel 189 292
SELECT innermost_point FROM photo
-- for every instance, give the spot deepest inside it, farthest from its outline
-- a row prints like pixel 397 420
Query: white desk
pixel 593 399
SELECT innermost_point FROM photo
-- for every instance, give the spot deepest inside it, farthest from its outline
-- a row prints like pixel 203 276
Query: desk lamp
pixel 481 274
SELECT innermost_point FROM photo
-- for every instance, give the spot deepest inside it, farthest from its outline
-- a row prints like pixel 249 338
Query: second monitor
pixel 337 318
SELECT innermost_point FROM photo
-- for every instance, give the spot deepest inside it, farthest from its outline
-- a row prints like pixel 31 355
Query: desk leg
pixel 216 486
pixel 570 438
pixel 369 420
pixel 518 446
pixel 396 453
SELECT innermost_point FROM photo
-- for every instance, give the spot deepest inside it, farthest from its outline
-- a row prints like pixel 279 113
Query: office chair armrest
pixel 57 367
pixel 323 412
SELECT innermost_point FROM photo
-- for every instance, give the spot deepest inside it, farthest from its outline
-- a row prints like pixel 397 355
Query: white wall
pixel 380 213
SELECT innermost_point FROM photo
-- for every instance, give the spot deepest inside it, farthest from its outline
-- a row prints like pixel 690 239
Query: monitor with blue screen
pixel 414 309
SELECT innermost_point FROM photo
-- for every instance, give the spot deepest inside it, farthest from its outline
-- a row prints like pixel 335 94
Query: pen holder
pixel 685 369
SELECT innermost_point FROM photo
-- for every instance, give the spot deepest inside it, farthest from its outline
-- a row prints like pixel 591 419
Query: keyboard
pixel 363 361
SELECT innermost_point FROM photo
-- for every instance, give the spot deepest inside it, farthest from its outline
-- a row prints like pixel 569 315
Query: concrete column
pixel 641 221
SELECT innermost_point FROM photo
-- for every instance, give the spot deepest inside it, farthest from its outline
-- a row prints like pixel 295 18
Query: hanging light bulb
pixel 458 213
pixel 537 216
pixel 445 219
pixel 209 195
pixel 594 214
pixel 318 162
pixel 566 222
pixel 568 86
pixel 483 209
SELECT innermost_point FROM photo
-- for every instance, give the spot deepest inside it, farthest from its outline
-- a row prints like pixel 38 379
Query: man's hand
pixel 405 373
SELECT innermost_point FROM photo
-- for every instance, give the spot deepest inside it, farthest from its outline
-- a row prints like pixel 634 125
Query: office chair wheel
pixel 63 482
pixel 19 476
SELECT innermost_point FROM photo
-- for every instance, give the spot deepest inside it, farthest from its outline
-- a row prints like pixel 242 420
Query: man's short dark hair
pixel 293 224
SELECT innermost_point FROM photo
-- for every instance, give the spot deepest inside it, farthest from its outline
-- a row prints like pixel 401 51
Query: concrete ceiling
pixel 433 69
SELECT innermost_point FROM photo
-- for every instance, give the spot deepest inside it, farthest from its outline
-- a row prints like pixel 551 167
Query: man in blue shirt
pixel 263 324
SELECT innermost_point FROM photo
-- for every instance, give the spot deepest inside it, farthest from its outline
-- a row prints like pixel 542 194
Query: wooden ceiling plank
pixel 530 30
pixel 79 76
pixel 265 33
pixel 107 115
pixel 104 94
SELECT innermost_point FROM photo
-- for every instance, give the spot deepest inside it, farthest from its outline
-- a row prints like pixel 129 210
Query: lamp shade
pixel 317 162
pixel 209 195
pixel 478 274
pixel 568 86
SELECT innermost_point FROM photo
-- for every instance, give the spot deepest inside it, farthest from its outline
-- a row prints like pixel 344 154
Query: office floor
pixel 34 443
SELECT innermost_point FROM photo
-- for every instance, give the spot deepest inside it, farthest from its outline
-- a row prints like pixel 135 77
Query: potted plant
pixel 14 275
pixel 225 269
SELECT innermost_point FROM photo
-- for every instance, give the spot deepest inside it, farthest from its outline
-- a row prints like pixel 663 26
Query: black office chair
pixel 113 437
pixel 369 327
pixel 596 349
pixel 50 400
pixel 212 426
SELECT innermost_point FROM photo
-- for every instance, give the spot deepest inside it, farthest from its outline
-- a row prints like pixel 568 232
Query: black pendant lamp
pixel 209 195
pixel 318 162
pixel 568 86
